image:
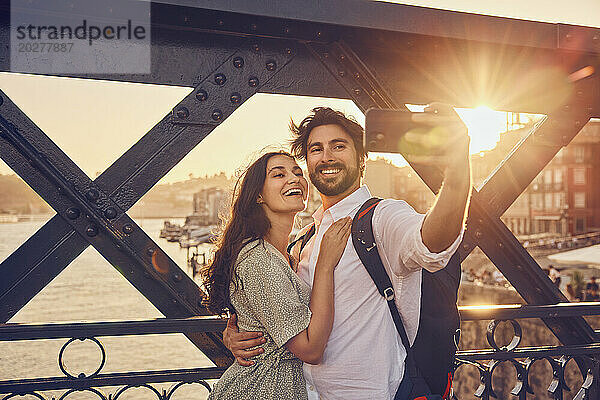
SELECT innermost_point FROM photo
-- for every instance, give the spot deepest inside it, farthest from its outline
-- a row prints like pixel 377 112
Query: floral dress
pixel 270 298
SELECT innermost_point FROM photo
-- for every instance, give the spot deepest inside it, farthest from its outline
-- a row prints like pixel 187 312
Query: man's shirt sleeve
pixel 397 227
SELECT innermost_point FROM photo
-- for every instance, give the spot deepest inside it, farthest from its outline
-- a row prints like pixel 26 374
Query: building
pixel 389 181
pixel 208 204
pixel 565 198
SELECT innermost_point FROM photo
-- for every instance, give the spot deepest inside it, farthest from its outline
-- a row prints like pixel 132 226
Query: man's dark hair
pixel 326 116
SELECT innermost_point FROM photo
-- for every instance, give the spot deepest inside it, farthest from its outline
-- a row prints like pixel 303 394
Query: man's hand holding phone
pixel 437 136
pixel 442 139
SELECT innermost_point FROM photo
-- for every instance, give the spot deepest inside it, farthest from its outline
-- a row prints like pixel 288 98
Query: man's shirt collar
pixel 344 207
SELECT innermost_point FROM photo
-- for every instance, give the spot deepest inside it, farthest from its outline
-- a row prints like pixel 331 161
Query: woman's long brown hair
pixel 247 222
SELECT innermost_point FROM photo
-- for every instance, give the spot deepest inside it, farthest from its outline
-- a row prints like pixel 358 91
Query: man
pixel 364 357
pixel 591 290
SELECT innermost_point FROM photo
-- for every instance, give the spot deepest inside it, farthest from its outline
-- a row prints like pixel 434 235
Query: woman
pixel 252 275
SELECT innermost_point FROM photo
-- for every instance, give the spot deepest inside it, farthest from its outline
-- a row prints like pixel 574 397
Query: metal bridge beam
pixel 96 210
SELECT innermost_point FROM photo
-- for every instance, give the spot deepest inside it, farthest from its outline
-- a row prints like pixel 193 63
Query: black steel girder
pixel 103 202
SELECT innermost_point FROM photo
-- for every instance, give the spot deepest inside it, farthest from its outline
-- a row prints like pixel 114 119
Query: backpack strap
pixel 302 239
pixel 363 240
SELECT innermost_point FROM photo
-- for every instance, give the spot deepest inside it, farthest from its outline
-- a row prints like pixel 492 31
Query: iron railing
pixel 485 361
pixel 70 382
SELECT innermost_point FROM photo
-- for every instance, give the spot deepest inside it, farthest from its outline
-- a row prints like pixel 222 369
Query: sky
pixel 94 122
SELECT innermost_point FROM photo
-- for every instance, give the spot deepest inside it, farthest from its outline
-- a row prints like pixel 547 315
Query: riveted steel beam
pixel 103 203
pixel 95 217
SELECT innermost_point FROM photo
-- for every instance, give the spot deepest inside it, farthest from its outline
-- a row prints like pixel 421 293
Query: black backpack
pixel 430 360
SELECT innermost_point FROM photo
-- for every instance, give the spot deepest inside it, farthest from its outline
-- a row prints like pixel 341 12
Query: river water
pixel 90 289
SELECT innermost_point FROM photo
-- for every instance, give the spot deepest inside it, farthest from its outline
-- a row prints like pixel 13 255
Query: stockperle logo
pixel 86 36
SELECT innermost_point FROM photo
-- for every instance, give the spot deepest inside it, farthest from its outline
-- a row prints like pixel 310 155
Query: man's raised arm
pixel 446 218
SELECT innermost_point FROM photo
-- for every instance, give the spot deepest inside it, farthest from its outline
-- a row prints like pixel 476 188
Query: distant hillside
pixel 168 200
pixel 175 199
pixel 18 198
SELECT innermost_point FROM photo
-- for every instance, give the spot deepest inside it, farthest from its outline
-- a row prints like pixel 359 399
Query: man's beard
pixel 327 186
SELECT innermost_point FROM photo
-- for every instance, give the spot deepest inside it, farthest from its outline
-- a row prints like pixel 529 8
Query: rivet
pixel 325 55
pixel 253 81
pixel 286 30
pixel 253 27
pixel 567 107
pixel 478 234
pixel 220 22
pixel 319 34
pixel 356 75
pixel 110 213
pixel 186 19
pixel 73 213
pixel 220 79
pixel 127 229
pixel 236 98
pixel 92 194
pixel 91 230
pixel 595 38
pixel 201 95
pixel 183 113
pixel 217 115
pixel 288 51
pixel 177 277
pixel 577 123
pixel 238 62
pixel 500 245
pixel 271 65
pixel 342 57
pixel 342 73
pixel 356 91
pixel 150 251
pixel 256 47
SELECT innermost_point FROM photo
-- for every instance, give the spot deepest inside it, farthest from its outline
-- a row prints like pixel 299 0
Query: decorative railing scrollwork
pixel 80 382
pixel 522 359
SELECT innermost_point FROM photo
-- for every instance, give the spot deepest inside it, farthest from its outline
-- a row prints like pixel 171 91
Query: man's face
pixel 333 165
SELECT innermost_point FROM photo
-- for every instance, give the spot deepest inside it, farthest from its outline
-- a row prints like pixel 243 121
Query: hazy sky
pixel 95 122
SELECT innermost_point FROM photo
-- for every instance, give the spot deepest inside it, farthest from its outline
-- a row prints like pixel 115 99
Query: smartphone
pixel 384 129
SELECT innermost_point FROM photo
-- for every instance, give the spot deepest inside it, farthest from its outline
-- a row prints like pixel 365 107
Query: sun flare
pixel 484 127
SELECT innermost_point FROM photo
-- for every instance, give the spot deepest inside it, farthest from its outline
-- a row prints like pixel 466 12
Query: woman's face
pixel 285 189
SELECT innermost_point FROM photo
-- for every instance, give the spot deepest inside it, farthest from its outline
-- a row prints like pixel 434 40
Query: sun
pixel 484 126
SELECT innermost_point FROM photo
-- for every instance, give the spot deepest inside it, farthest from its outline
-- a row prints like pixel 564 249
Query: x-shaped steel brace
pixel 513 175
pixel 94 212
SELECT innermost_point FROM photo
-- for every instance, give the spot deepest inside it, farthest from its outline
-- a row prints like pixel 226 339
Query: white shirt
pixel 364 357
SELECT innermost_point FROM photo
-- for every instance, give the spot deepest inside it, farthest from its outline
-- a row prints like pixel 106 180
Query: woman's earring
pixel 260 200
